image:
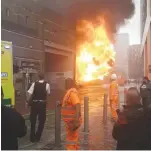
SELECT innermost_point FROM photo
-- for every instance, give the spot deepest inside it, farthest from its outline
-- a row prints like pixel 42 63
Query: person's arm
pixel 48 88
pixel 18 123
pixel 22 128
pixel 115 131
pixel 110 91
pixel 30 92
pixel 120 131
pixel 78 110
pixel 76 101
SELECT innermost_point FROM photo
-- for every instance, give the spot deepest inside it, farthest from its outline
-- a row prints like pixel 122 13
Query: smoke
pixel 114 12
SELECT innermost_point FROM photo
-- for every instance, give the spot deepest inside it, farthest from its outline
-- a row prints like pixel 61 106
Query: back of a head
pixel 145 79
pixel 133 96
pixel 69 83
pixel 41 76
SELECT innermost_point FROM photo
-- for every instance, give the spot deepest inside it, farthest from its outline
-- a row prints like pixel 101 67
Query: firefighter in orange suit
pixel 114 96
pixel 71 115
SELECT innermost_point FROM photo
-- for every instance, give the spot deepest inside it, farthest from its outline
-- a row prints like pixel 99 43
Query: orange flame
pixel 94 53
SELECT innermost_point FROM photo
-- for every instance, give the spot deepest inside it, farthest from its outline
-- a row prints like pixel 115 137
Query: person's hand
pixel 122 118
pixel 59 104
pixel 28 104
pixel 74 125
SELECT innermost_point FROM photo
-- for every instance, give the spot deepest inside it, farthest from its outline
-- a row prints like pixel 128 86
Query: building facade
pixel 43 41
pixel 145 52
pixel 135 71
pixel 121 47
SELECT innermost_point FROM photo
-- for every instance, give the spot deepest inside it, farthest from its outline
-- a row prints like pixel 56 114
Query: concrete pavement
pixel 99 136
pixel 48 134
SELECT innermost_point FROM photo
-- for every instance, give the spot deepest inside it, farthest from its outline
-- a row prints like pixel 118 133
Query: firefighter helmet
pixel 113 76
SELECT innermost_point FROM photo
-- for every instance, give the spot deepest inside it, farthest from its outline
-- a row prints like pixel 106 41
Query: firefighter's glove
pixel 74 125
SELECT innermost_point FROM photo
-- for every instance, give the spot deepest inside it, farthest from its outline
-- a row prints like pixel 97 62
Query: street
pixel 95 45
pixel 100 134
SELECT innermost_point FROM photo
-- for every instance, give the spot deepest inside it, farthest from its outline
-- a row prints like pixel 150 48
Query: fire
pixel 94 54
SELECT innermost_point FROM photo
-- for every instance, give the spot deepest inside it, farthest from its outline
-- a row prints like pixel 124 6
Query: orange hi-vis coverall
pixel 114 98
pixel 68 113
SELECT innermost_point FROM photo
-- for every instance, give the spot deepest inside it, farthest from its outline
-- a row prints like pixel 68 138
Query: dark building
pixel 42 41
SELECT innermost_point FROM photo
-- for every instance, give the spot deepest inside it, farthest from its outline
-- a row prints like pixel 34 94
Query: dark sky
pixel 60 6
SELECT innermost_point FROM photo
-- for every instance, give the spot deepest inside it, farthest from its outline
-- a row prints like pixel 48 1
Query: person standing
pixel 114 96
pixel 37 101
pixel 130 130
pixel 145 92
pixel 71 115
pixel 12 127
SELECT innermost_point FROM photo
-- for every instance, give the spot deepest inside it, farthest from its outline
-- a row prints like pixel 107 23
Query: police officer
pixel 145 91
pixel 37 100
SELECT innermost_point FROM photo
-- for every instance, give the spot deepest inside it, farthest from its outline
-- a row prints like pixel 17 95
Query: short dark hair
pixel 69 83
pixel 146 78
pixel 133 96
pixel 41 76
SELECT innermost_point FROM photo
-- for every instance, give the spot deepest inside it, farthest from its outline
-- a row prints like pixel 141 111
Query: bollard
pixel 105 109
pixel 58 124
pixel 86 114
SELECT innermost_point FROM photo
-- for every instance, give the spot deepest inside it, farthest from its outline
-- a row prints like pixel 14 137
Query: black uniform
pixel 38 108
pixel 12 127
pixel 145 91
pixel 133 135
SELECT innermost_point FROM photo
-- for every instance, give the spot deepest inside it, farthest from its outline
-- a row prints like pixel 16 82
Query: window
pixel 27 18
pixel 7 12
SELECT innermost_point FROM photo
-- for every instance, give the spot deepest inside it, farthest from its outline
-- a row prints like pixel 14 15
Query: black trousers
pixel 38 109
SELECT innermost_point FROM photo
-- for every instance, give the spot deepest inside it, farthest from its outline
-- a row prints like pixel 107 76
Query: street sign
pixel 31 65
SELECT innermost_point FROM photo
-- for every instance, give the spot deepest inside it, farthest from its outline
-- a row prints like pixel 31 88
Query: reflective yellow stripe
pixel 69 116
pixel 72 143
pixel 68 108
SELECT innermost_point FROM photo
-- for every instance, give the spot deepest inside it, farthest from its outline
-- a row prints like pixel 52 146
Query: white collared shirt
pixel 31 89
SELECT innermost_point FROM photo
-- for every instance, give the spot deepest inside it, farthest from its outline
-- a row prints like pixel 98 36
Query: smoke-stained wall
pixel 28 25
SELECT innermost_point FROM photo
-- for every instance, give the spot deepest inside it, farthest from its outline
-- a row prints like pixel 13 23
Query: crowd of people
pixel 131 128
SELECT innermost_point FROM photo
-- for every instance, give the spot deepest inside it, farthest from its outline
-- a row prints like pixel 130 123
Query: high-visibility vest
pixel 68 111
pixel 113 90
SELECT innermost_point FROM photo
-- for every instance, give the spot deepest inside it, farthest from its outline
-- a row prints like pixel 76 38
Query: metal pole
pixel 105 109
pixel 86 114
pixel 58 124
